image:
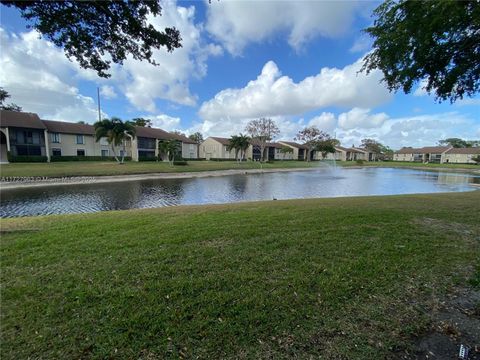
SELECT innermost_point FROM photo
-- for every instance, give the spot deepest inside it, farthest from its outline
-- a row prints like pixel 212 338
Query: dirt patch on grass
pixel 452 227
pixel 454 322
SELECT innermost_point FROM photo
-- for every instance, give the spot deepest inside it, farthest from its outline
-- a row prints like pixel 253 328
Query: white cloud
pixel 362 44
pixel 238 23
pixel 164 122
pixel 108 92
pixel 41 79
pixel 272 94
pixel 353 126
pixel 143 82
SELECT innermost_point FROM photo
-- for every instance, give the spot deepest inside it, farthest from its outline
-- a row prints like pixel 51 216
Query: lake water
pixel 229 189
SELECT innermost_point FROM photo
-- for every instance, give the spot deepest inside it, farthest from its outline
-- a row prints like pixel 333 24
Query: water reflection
pixel 228 189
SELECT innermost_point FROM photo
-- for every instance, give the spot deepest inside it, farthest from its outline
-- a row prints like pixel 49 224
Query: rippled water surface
pixel 228 189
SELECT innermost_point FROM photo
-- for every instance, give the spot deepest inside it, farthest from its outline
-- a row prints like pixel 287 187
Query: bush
pixel 85 158
pixel 221 159
pixel 147 158
pixel 359 162
pixel 180 162
pixel 26 158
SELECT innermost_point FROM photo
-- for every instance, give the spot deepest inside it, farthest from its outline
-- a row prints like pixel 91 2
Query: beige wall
pixel 189 151
pixel 459 158
pixel 282 156
pixel 402 157
pixel 68 145
pixel 212 149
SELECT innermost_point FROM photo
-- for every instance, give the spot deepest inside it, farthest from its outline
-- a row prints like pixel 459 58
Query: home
pixel 427 154
pixel 299 150
pixel 216 148
pixel 25 134
pixel 462 155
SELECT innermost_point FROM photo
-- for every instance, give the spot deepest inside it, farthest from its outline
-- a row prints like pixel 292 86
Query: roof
pixel 467 151
pixel 153 133
pixel 221 140
pixel 423 150
pixel 20 119
pixel 294 144
pixel 275 145
pixel 182 138
pixel 356 149
pixel 68 127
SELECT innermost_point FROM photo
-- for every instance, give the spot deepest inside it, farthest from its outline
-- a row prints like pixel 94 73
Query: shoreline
pixel 82 180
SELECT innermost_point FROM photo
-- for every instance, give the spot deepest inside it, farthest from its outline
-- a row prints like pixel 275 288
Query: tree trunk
pixel 114 153
pixel 262 152
pixel 123 152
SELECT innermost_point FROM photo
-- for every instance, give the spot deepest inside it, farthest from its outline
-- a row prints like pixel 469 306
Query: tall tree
pixel 4 95
pixel 434 42
pixel 93 31
pixel 198 138
pixel 116 132
pixel 261 131
pixel 327 146
pixel 243 144
pixel 311 137
pixel 458 143
pixel 233 144
pixel 142 122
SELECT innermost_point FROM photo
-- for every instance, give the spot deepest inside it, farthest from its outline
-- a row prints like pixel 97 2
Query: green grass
pixel 94 168
pixel 338 278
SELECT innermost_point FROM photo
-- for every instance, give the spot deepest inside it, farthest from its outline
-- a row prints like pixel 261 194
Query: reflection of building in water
pixel 453 179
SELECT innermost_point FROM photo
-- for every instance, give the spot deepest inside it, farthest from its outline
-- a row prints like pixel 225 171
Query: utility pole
pixel 99 112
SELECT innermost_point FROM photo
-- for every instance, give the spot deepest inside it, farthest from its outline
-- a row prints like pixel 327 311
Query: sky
pixel 296 62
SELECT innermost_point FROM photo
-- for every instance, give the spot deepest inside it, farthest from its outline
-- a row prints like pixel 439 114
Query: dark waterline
pixel 228 189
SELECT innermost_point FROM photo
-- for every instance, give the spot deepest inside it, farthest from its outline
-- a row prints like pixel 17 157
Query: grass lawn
pixel 96 168
pixel 340 278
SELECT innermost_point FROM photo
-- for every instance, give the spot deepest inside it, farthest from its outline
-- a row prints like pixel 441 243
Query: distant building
pixel 428 154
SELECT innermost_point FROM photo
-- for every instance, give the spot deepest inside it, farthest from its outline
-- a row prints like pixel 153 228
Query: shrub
pixel 26 158
pixel 359 162
pixel 180 162
pixel 55 158
pixel 147 158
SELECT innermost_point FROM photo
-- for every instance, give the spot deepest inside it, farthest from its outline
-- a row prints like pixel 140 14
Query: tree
pixel 476 159
pixel 170 148
pixel 311 137
pixel 243 144
pixel 92 31
pixel 177 132
pixel 4 95
pixel 459 143
pixel 372 146
pixel 233 144
pixel 198 138
pixel 260 131
pixel 142 122
pixel 434 42
pixel 327 146
pixel 116 132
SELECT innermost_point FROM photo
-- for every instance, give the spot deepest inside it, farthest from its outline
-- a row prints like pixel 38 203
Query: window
pixel 80 139
pixel 28 137
pixel 56 152
pixel 80 152
pixel 55 137
pixel 104 153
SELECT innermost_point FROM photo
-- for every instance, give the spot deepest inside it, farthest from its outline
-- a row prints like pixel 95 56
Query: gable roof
pixel 153 133
pixel 182 138
pixel 68 128
pixel 20 119
pixel 221 140
pixel 467 151
pixel 423 150
pixel 293 144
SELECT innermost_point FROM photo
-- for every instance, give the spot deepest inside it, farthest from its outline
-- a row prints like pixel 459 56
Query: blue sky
pixel 296 62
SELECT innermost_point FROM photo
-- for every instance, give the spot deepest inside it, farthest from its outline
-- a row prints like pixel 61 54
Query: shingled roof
pixel 467 151
pixel 221 140
pixel 68 127
pixel 294 144
pixel 20 119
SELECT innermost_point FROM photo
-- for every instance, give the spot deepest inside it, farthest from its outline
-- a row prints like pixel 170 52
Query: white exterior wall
pixel 402 157
pixel 68 145
pixel 459 158
pixel 283 156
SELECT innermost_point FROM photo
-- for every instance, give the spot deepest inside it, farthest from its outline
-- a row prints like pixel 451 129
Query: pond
pixel 228 189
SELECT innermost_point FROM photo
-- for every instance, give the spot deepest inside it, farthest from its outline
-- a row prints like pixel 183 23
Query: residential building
pixel 216 148
pixel 427 154
pixel 299 150
pixel 462 155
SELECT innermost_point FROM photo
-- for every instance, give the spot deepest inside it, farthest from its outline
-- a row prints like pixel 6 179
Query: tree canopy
pixel 260 131
pixel 116 132
pixel 4 95
pixel 459 143
pixel 97 33
pixel 312 137
pixel 436 43
pixel 142 122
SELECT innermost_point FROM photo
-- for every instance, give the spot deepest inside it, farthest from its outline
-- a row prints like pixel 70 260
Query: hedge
pixel 26 158
pixel 55 158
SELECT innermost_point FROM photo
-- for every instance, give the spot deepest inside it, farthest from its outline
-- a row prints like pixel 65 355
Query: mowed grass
pixel 99 168
pixel 323 278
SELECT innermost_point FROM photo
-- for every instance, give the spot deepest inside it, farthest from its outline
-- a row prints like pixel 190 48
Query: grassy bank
pixel 342 278
pixel 95 168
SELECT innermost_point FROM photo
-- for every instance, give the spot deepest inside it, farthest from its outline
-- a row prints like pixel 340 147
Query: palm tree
pixel 234 144
pixel 116 131
pixel 243 144
pixel 169 148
